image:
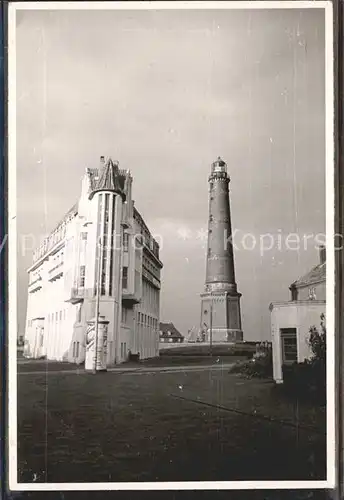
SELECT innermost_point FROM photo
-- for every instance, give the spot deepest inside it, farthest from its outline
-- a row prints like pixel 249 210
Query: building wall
pixel 65 305
pixel 300 315
pixel 319 289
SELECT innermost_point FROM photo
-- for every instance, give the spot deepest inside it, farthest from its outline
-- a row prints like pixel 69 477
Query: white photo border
pixel 330 482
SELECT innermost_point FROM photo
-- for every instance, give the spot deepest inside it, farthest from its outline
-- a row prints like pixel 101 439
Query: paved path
pixel 146 370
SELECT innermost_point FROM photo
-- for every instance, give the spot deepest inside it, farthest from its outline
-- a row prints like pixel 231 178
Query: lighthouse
pixel 220 301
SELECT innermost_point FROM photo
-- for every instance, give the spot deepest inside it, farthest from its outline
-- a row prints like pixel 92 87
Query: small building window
pixel 83 236
pixel 82 277
pixel 294 293
pixel 312 294
pixel 124 315
pixel 289 345
pixel 125 277
pixel 125 241
pixel 79 313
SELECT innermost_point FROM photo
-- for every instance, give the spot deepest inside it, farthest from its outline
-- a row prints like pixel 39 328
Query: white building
pixel 102 235
pixel 292 320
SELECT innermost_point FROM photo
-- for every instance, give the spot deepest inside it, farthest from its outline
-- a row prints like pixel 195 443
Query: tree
pixel 317 341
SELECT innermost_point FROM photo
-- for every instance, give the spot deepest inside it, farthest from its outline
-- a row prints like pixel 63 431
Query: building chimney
pixel 322 253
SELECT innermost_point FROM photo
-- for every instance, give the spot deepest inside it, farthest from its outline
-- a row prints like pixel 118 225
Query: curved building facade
pixel 100 256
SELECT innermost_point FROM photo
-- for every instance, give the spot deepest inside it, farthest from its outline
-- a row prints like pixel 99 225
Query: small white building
pixel 292 320
pixel 104 236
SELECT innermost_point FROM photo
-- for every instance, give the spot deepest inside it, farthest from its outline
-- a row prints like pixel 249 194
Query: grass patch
pixel 117 427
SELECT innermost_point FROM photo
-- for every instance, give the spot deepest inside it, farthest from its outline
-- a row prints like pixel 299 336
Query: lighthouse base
pixel 221 318
pixel 223 336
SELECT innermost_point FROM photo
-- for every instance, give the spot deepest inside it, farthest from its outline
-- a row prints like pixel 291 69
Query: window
pixel 125 277
pixel 289 345
pixel 105 244
pixel 79 311
pixel 113 244
pixel 83 236
pixel 60 315
pixel 82 277
pixel 312 294
pixel 124 315
pixel 294 293
pixel 77 349
pixel 125 241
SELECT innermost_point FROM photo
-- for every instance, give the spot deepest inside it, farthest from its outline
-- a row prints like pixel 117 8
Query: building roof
pixel 316 275
pixel 111 178
pixel 93 174
pixel 169 327
pixel 49 241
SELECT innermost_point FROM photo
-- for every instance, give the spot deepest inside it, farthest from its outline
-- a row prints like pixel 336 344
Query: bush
pixel 259 366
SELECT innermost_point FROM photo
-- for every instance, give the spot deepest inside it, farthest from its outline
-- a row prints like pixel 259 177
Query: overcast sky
pixel 165 93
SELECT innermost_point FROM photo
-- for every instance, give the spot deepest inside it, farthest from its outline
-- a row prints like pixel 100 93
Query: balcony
pixel 35 285
pixel 129 298
pixel 155 282
pixel 55 272
pixel 125 215
pixel 76 295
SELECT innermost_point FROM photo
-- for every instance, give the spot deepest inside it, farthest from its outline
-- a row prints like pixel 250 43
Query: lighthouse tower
pixel 220 302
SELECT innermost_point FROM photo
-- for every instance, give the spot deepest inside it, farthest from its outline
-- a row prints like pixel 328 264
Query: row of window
pixel 152 268
pixel 50 241
pixel 34 276
pixel 146 320
pixel 148 239
pixel 57 258
pixel 57 317
pixel 150 297
pixel 54 317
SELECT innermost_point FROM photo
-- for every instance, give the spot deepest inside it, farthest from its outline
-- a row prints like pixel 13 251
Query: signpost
pixel 97 305
pixel 211 329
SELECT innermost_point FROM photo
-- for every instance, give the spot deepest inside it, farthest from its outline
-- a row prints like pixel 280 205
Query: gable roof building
pixel 169 333
pixel 291 320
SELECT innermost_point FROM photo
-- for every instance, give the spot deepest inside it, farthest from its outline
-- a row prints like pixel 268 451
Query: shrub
pixel 259 366
pixel 317 341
